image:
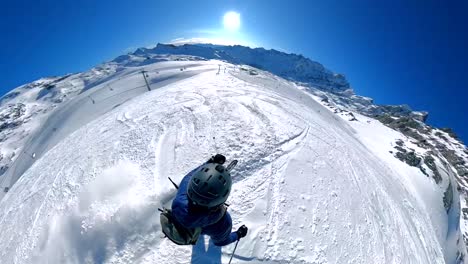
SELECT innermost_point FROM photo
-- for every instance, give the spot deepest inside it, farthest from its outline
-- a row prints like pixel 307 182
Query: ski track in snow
pixel 308 189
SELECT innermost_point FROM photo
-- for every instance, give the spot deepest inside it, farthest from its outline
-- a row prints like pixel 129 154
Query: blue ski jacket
pixel 187 216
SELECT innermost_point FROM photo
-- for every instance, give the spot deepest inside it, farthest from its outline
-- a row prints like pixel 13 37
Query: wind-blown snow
pixel 87 106
pixel 308 185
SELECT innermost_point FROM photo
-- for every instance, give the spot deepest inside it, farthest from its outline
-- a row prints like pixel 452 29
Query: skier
pixel 199 203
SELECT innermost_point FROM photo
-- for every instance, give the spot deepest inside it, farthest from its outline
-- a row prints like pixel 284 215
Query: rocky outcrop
pixel 442 153
pixel 9 116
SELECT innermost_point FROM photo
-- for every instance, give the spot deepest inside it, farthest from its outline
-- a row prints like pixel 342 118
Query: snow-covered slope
pixel 84 107
pixel 316 182
pixel 24 109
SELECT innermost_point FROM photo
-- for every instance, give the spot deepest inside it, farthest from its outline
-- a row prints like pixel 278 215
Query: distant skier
pixel 199 208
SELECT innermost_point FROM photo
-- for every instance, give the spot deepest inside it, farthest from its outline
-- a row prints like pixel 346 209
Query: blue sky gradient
pixel 397 52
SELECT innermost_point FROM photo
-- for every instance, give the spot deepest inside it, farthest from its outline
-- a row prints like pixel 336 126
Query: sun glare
pixel 231 21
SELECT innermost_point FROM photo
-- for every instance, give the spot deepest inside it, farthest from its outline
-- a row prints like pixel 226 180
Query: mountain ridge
pixel 292 66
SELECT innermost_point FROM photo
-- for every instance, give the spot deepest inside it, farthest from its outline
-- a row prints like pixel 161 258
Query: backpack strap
pixel 223 209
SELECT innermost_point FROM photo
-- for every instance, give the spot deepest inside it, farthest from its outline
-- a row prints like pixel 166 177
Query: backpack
pixel 175 231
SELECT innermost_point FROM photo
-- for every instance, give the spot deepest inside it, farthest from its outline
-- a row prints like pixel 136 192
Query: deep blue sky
pixel 413 52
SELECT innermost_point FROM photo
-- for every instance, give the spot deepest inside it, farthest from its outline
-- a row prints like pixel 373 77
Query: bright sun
pixel 231 21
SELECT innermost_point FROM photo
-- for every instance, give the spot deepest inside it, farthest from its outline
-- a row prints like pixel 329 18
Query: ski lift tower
pixel 146 81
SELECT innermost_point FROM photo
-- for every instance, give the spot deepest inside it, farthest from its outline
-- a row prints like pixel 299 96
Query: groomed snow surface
pixel 307 186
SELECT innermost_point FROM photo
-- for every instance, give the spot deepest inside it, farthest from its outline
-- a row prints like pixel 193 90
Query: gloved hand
pixel 242 231
pixel 218 158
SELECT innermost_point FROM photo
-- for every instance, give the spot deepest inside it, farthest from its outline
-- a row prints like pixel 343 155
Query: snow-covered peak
pixel 319 180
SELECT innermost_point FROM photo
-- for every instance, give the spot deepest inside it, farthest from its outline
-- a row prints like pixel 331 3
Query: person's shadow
pixel 200 255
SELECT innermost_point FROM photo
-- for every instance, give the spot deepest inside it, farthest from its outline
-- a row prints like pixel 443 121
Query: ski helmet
pixel 210 185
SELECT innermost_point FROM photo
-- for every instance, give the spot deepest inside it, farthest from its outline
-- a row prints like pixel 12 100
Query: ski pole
pixel 175 185
pixel 235 247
